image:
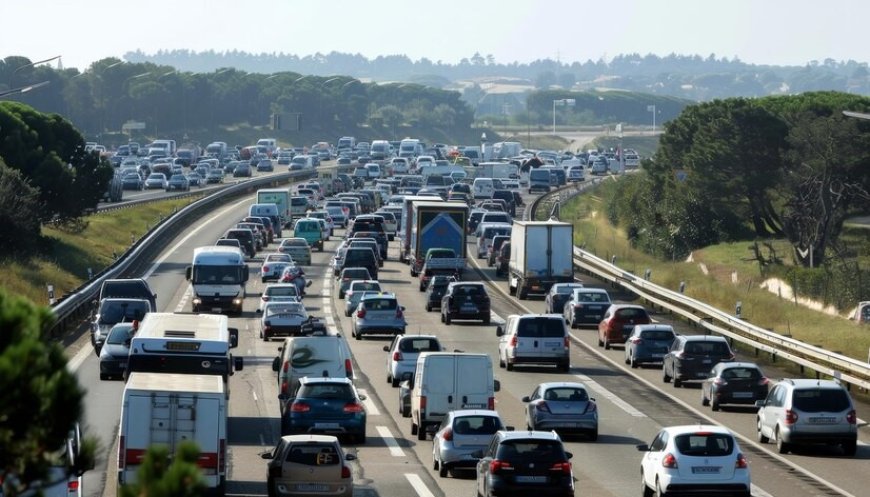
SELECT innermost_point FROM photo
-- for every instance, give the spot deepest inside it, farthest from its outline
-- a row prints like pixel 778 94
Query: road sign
pixel 131 125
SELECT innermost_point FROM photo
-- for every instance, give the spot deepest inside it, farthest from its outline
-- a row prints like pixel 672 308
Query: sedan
pixel 279 292
pixel 282 319
pixel 214 176
pixel 310 463
pixel 461 434
pixel 298 249
pixel 116 351
pixel 326 405
pixel 734 383
pixel 564 407
pixel 178 182
pixel 554 301
pixel 156 181
pixel 132 182
pixel 265 165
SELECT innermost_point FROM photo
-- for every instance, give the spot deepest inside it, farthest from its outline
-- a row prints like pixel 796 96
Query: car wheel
pixel 394 382
pixel 340 294
pixel 413 428
pixel 704 400
pixel 263 279
pixel 486 319
pixel 442 470
pixel 677 382
pixel 447 319
pixel 593 435
pixel 422 288
pixel 442 317
pixel 659 491
pixel 565 366
pixel 782 446
pixel 665 377
pixel 347 313
pixel 606 344
pixel 428 308
pixel 500 362
pixel 645 491
pixel 625 359
pixel 600 341
pixel 358 335
pixel 508 365
pixel 758 434
pixel 714 405
pixel 633 362
pixel 104 376
pixel 850 447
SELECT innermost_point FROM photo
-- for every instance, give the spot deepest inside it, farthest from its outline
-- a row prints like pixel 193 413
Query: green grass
pixel 645 146
pixel 760 307
pixel 537 142
pixel 65 255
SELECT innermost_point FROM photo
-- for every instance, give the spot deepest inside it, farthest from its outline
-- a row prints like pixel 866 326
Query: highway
pixel 633 404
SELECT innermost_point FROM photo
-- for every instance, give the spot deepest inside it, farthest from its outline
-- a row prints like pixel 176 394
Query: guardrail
pixel 846 369
pixel 71 308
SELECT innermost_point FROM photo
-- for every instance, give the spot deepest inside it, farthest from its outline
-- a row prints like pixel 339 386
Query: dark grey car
pixel 691 358
pixel 648 343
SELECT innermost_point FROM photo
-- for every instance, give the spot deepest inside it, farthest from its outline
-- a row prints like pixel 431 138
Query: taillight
pixel 791 417
pixel 513 342
pixel 852 417
pixel 353 407
pixel 542 406
pixel 122 454
pixel 447 434
pixel 348 368
pixel 265 298
pixel 397 356
pixel 567 343
pixel 265 269
pixel 72 486
pixel 490 403
pixel 361 313
pixel 669 461
pixel 636 340
pixel 286 366
pixel 285 388
pixel 299 407
pixel 422 402
pixel 591 407
pixel 763 381
pixel 562 467
pixel 345 472
pixel 719 382
pixel 741 462
pixel 497 465
pixel 267 326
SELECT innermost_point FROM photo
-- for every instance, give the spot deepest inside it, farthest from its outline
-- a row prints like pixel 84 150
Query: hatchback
pixel 403 354
pixel 733 383
pixel 524 463
pixel 461 434
pixel 350 274
pixel 648 343
pixel 279 292
pixel 617 323
pixel 465 300
pixel 805 412
pixel 378 314
pixel 308 465
pixel 554 301
pixel 355 292
pixel 330 406
pixel 586 306
pixel 564 407
pixel 116 351
pixel 436 289
pixel 691 357
pixel 694 459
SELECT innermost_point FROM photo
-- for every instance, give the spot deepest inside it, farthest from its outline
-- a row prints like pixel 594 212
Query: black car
pixel 508 197
pixel 502 259
pixel 242 171
pixel 693 356
pixel 465 300
pixel 524 463
pixel 265 165
pixel 435 290
pixel 734 383
pixel 246 238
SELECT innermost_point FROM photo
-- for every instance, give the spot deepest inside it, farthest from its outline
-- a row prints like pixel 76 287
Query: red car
pixel 618 322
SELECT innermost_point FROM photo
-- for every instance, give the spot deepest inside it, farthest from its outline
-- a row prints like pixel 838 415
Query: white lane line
pixel 330 321
pixel 325 293
pixel 625 406
pixel 76 362
pixel 184 298
pixel 371 408
pixel 255 396
pixel 332 330
pixel 756 491
pixel 496 319
pixel 390 441
pixel 325 301
pixel 418 485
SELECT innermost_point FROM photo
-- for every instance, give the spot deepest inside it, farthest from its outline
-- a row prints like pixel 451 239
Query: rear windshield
pixel 657 335
pixel 419 345
pixel 705 444
pixel 566 394
pixel 468 290
pixel 282 291
pixel 541 328
pixel 355 274
pixel 630 313
pixel 708 348
pixel 741 374
pixel 821 400
pixel 314 454
pixel 380 304
pixel 592 297
pixel 325 391
pixel 531 451
pixel 476 425
pixel 297 201
pixel 366 286
pixel 125 289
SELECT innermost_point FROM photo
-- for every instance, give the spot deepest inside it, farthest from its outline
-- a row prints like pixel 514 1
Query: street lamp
pixel 22 89
pixel 35 63
pixel 562 102
pixel 652 108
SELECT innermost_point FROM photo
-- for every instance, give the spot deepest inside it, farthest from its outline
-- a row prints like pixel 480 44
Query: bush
pixel 19 212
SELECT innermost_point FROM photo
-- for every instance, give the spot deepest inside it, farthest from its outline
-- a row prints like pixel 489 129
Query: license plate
pixel 312 487
pixel 742 395
pixel 823 420
pixel 531 479
pixel 473 406
pixel 594 307
pixel 468 308
pixel 657 356
pixel 706 361
pixel 706 470
pixel 216 310
pixel 552 344
pixel 326 426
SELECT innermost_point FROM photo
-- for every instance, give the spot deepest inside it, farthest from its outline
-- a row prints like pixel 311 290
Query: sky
pixel 781 32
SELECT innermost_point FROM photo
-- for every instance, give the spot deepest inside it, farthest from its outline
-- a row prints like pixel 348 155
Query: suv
pixel 245 237
pixel 127 288
pixel 803 411
pixel 378 314
pixel 361 257
pixel 693 356
pixel 534 339
pixel 524 463
pixel 508 198
pixel 465 300
pixel 403 353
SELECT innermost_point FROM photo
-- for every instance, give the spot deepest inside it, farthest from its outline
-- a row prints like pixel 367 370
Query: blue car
pixel 329 406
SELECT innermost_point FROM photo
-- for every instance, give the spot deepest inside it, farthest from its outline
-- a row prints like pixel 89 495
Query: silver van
pixel 534 339
pixel 319 356
pixel 487 233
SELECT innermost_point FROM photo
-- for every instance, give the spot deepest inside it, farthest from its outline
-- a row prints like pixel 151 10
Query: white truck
pixel 541 255
pixel 218 275
pixel 166 409
pixel 497 170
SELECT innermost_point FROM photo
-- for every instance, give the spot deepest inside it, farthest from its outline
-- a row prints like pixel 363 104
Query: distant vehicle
pixel 265 165
pixel 535 458
pixel 309 461
pixel 156 181
pixel 178 182
pixel 462 433
pixel 564 407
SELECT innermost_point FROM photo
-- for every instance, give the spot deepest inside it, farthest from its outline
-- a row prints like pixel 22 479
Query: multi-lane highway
pixel 633 404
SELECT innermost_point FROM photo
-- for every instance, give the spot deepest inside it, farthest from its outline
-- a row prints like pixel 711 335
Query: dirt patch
pixel 778 287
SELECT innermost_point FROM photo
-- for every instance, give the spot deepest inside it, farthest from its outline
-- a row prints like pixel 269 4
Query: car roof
pixel 702 338
pixel 810 383
pixel 505 435
pixel 699 428
pixel 655 327
pixel 303 438
pixel 458 413
pixel 562 384
pixel 319 379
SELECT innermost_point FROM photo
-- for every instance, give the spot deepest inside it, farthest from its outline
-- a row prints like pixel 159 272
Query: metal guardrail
pixel 71 308
pixel 846 369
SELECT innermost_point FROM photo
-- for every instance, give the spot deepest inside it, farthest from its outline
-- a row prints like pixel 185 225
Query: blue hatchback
pixel 330 406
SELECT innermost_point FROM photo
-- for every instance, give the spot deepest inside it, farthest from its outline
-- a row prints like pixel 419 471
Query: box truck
pixel 218 275
pixel 279 197
pixel 437 225
pixel 541 255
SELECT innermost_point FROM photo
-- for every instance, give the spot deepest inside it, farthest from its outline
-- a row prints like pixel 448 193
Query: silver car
pixel 282 319
pixel 355 292
pixel 271 270
pixel 279 292
pixel 562 406
pixel 378 314
pixel 403 353
pixel 462 433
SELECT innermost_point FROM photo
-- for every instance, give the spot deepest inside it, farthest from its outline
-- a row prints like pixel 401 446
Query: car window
pixel 313 454
pixel 659 442
pixel 630 313
pixel 366 286
pixel 566 394
pixel 284 291
pixel 707 348
pixel 657 335
pixel 704 444
pixel 381 304
pixel 120 334
pixel 821 399
pixel 741 374
pixel 592 297
pixel 537 451
pixel 291 308
pixel 461 290
pixel 341 391
pixel 540 328
pixel 476 425
pixel 419 345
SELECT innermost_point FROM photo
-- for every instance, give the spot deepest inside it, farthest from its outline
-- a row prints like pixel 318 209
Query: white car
pixel 279 292
pixel 703 458
pixel 403 353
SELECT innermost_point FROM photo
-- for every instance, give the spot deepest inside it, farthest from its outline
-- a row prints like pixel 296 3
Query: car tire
pixel 678 383
pixel 850 447
pixel 782 446
pixel 442 470
pixel 487 319
pixel 565 366
pixel 758 434
pixel 593 435
pixel 394 382
pixel 263 279
pixel 714 405
pixel 508 365
pixel 500 362
pixel 428 308
pixel 704 400
pixel 340 294
pixel 389 378
pixel 442 317
pixel 659 492
pixel 633 362
pixel 413 428
pixel 422 288
pixel 645 491
pixel 606 344
pixel 600 341
pixel 447 319
pixel 358 335
pixel 665 377
pixel 104 376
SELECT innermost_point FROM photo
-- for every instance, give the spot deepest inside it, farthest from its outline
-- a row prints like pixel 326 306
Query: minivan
pixel 539 180
pixel 482 188
pixel 445 381
pixel 326 356
pixel 534 339
pixel 309 229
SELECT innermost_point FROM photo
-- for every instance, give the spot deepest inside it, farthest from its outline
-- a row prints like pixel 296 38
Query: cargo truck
pixel 406 222
pixel 279 197
pixel 161 409
pixel 541 255
pixel 438 225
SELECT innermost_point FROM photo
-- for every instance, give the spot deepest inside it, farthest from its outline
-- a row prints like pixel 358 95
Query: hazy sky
pixel 759 31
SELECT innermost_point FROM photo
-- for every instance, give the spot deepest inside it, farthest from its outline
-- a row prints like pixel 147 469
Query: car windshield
pixel 541 328
pixel 355 274
pixel 821 400
pixel 705 444
pixel 657 335
pixel 565 289
pixel 460 290
pixel 115 312
pixel 370 286
pixel 120 334
pixel 290 308
pixel 630 313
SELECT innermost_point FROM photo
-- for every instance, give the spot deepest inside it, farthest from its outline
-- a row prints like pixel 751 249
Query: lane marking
pixel 371 408
pixel 625 406
pixel 76 362
pixel 390 441
pixel 418 485
pixel 330 321
pixel 325 293
pixel 756 491
pixel 184 298
pixel 496 319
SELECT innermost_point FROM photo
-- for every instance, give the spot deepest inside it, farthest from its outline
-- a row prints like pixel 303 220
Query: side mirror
pixel 569 455
pixel 525 399
pixel 187 272
pixel 259 310
pixel 362 396
pixel 496 385
pixel 642 447
pixel 238 363
pixel 234 337
pixel 499 331
pixel 266 455
pixel 349 457
pixel 386 348
pixel 276 364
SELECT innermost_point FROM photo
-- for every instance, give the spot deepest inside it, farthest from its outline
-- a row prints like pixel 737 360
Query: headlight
pixel 197 300
pixel 237 301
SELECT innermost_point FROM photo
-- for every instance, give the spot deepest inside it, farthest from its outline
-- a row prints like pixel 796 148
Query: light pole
pixel 22 89
pixel 35 63
pixel 131 78
pixel 561 102
pixel 652 108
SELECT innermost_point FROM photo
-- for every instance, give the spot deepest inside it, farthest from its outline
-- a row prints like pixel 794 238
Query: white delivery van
pixel 320 356
pixel 270 211
pixel 279 197
pixel 482 188
pixel 218 275
pixel 168 409
pixel 445 381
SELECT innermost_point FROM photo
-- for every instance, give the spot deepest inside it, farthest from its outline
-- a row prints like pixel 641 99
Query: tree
pixel 545 80
pixel 160 476
pixel 42 399
pixel 19 211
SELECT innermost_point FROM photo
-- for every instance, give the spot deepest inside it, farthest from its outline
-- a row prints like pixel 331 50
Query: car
pixel 214 175
pixel 132 181
pixel 494 247
pixel 350 274
pixel 808 412
pixel 310 465
pixel 327 219
pixel 691 357
pixel 111 311
pixel 534 339
pixel 502 259
pixel 575 174
pixel 297 248
pixel 279 292
pixel 178 182
pixel 555 299
pixel 194 179
pixel 733 383
pixel 435 290
pixel 338 215
pixel 648 343
pixel 586 306
pixel 295 275
pixel 355 292
pixel 287 319
pixel 242 170
pixel 617 323
pixel 326 405
pixel 462 433
pixel 563 406
pixel 265 165
pixel 116 351
pixel 694 459
pixel 156 181
pixel 272 270
pixel 378 314
pixel 524 463
pixel 369 243
pixel 465 300
pixel 403 353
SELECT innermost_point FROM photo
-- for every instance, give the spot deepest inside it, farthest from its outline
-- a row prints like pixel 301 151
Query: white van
pixel 487 233
pixel 316 356
pixel 482 188
pixel 534 339
pixel 270 211
pixel 445 381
